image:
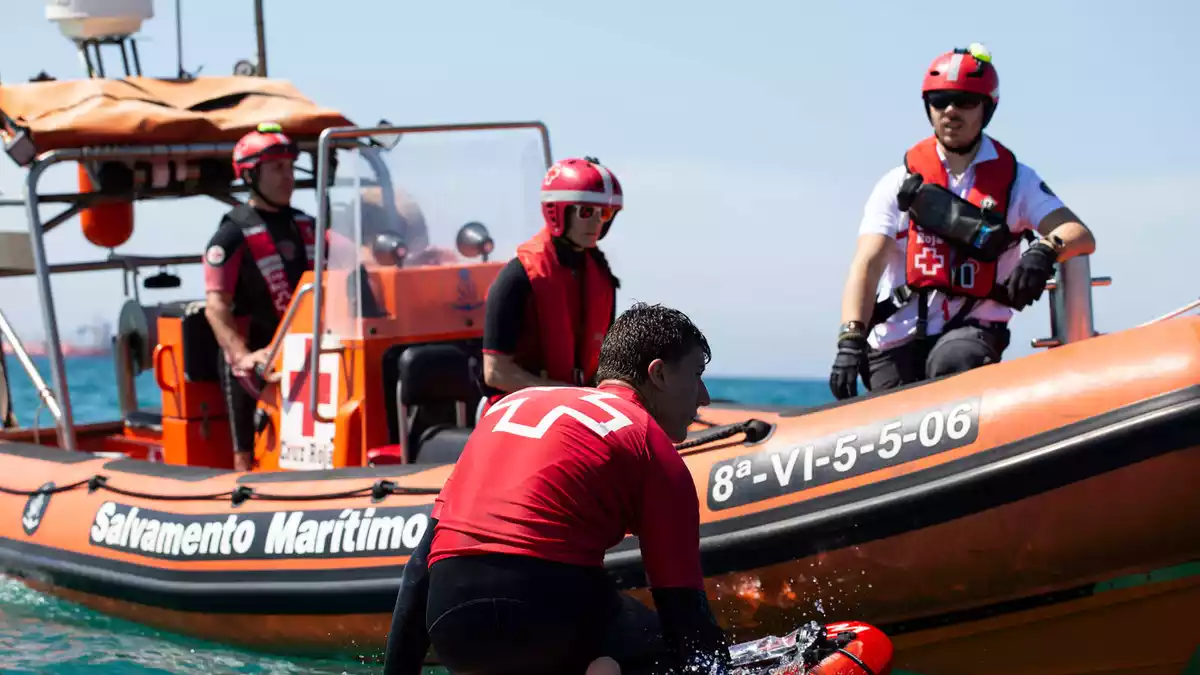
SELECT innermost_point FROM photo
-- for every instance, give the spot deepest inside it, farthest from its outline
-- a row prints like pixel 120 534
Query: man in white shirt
pixel 938 268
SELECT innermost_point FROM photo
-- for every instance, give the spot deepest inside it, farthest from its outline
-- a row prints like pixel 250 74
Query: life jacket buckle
pixel 901 295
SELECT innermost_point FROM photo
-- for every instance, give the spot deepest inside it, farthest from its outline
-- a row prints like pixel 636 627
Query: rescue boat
pixel 982 520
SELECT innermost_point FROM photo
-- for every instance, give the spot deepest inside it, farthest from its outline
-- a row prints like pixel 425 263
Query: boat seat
pixel 146 419
pixel 201 354
pixel 442 444
pixel 436 389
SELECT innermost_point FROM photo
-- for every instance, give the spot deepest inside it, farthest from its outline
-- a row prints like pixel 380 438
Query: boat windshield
pixel 410 226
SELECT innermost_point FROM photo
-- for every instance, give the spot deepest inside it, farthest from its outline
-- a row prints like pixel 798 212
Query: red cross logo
pixel 930 261
pixel 298 391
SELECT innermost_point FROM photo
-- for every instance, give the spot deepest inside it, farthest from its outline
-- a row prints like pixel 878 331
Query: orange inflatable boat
pixel 1038 515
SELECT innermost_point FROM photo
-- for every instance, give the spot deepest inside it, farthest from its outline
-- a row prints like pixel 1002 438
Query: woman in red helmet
pixel 938 269
pixel 549 308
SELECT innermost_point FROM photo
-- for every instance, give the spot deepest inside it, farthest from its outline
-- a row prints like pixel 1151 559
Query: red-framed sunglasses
pixel 587 211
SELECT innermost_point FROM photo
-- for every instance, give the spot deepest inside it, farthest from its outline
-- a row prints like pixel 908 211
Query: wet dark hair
pixel 642 334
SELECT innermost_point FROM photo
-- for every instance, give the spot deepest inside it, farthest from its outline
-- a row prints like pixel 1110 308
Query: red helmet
pixel 264 144
pixel 579 182
pixel 967 70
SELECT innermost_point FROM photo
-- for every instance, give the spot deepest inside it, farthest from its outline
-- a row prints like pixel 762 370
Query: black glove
pixel 1028 280
pixel 843 381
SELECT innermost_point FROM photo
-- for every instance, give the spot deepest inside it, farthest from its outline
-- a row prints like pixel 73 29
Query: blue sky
pixel 747 135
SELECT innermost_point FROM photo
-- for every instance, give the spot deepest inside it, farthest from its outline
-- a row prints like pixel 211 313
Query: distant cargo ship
pixel 95 340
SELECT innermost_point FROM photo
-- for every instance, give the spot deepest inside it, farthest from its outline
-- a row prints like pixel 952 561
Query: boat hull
pixel 1025 513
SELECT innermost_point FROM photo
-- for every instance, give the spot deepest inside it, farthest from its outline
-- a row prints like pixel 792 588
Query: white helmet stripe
pixel 955 65
pixel 606 177
pixel 582 197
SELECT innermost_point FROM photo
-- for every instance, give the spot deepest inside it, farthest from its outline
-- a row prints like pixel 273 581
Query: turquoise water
pixel 41 634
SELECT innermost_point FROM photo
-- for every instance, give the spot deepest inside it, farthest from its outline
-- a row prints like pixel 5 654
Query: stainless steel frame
pixel 37 229
pixel 23 356
pixel 325 144
pixel 1070 298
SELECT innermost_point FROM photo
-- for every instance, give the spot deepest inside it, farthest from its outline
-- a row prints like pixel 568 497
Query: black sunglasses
pixel 941 100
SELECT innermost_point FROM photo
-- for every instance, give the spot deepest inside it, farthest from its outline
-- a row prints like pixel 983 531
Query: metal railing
pixel 282 331
pixel 31 370
pixel 337 137
pixel 38 227
pixel 1071 318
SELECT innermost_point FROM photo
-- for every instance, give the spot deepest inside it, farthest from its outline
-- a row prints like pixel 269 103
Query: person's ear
pixel 656 373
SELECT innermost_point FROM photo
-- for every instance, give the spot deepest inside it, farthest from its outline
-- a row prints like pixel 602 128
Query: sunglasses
pixel 943 100
pixel 606 212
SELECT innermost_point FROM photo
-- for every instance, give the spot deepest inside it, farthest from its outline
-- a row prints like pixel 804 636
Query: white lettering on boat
pixel 781 470
pixel 328 533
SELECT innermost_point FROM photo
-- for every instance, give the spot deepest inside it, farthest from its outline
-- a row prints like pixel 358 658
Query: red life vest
pixel 572 315
pixel 266 254
pixel 933 263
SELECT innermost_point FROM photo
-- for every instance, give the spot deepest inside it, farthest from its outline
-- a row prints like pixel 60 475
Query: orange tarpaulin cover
pixel 148 111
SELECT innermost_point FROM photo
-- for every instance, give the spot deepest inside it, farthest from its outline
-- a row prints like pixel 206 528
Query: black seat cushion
pixel 435 373
pixel 435 377
pixel 441 444
pixel 201 354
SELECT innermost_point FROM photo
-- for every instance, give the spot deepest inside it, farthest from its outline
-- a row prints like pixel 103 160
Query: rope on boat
pixel 243 493
pixel 754 430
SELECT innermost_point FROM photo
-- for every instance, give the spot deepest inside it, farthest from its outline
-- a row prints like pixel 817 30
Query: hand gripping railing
pixel 1071 303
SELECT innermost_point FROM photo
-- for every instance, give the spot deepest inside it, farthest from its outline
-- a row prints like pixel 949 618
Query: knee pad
pixel 963 349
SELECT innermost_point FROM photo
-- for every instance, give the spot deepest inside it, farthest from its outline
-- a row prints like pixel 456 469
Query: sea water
pixel 42 634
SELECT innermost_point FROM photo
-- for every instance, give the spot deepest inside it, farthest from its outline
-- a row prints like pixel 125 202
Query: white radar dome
pixel 94 19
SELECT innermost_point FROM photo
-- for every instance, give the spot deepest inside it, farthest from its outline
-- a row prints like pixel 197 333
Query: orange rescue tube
pixel 105 225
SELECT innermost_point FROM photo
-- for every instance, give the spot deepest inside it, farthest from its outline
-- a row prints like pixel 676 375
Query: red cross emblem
pixel 930 261
pixel 298 390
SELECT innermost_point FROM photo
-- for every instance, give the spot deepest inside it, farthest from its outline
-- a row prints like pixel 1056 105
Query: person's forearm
pixel 1064 225
pixel 505 375
pixel 858 304
pixel 858 296
pixel 220 317
pixel 1076 240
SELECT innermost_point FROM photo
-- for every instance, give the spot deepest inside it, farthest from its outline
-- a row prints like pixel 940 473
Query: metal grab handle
pixel 160 370
pixel 1052 284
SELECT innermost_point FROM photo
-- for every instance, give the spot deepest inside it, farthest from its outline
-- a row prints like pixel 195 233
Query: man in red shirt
pixel 551 479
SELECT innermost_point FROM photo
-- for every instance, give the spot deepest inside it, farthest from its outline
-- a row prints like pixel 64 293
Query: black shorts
pixel 501 614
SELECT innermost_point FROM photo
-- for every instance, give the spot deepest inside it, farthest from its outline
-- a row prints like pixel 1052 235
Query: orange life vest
pixel 933 263
pixel 573 314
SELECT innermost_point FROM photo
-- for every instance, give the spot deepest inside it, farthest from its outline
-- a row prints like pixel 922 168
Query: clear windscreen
pixel 448 200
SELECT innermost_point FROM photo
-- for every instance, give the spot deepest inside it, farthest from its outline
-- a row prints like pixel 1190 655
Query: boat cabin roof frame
pixel 330 139
pixel 78 201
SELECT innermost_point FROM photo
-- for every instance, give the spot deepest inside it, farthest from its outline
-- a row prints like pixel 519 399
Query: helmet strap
pixel 250 177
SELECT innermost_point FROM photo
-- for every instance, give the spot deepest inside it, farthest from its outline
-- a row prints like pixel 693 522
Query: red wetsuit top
pixel 563 474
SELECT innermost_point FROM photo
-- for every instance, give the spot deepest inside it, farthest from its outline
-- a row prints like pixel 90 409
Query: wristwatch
pixel 1054 243
pixel 852 329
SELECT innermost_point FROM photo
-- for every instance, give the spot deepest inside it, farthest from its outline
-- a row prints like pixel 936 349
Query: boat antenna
pixel 182 74
pixel 261 34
